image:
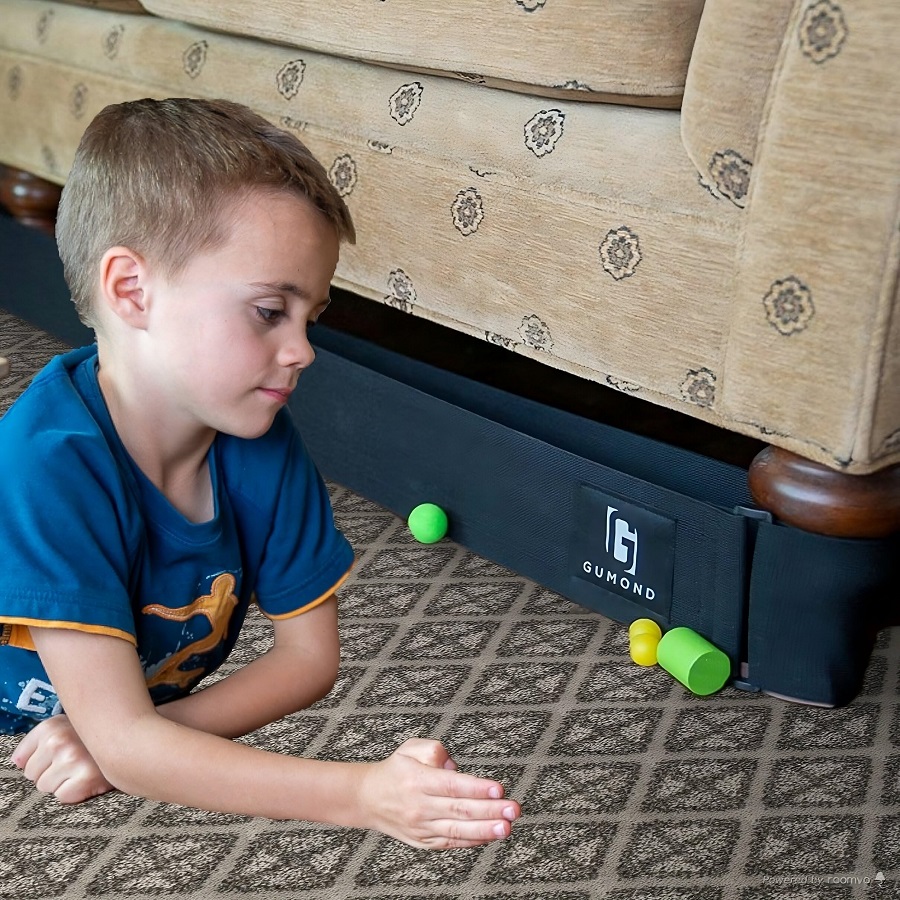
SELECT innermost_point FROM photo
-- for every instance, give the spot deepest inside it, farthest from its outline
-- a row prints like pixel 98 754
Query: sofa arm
pixel 814 343
pixel 731 68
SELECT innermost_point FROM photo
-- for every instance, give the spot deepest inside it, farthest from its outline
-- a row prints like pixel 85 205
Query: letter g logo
pixel 621 540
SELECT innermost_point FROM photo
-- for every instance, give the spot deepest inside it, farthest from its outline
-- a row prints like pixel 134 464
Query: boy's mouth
pixel 282 395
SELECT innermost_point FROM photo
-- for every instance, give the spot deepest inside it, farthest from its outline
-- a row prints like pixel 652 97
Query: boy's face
pixel 230 331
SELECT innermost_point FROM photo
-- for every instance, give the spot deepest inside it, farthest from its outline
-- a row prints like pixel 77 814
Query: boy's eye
pixel 269 316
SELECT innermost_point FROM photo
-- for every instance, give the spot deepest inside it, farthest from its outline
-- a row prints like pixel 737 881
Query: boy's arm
pixel 299 669
pixel 414 795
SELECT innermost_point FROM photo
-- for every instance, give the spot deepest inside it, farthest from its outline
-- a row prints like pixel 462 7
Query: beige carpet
pixel 631 788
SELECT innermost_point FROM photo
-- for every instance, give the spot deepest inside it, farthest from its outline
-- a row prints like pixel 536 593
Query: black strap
pixel 617 522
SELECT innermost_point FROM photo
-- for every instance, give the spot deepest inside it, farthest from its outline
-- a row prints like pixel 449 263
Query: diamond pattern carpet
pixel 631 788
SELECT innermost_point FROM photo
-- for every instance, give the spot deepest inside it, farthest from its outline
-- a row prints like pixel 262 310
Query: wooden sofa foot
pixel 812 497
pixel 815 498
pixel 29 199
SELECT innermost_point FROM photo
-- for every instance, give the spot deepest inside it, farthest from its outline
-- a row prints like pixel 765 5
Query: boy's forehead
pixel 260 206
pixel 272 242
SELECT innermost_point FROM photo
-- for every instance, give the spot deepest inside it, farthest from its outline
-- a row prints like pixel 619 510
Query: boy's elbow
pixel 315 677
pixel 327 669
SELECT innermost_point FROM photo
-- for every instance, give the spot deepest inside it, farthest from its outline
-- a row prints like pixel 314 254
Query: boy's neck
pixel 171 453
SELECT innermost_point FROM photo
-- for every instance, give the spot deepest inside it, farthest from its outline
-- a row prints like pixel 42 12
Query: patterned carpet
pixel 631 789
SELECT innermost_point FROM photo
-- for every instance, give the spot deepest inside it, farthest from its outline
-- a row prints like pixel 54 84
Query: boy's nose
pixel 297 352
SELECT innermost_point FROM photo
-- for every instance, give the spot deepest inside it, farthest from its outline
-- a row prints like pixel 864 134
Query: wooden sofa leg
pixel 820 500
pixel 815 498
pixel 29 199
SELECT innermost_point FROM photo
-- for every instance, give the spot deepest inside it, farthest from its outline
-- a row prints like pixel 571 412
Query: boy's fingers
pixel 49 781
pixel 453 833
pixel 434 755
pixel 77 790
pixel 482 811
pixel 426 751
pixel 465 786
pixel 24 750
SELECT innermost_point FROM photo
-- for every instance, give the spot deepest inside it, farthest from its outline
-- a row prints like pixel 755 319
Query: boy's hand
pixel 417 796
pixel 53 757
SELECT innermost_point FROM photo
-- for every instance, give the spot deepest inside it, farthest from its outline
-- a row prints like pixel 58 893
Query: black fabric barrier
pixel 619 523
pixel 32 284
pixel 814 608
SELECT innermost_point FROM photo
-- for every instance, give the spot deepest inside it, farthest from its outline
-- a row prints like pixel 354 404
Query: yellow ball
pixel 644 626
pixel 642 648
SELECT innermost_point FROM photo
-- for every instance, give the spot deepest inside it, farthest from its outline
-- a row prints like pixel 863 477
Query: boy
pixel 154 482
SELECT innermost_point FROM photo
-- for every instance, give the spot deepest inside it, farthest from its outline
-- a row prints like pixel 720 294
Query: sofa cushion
pixel 635 52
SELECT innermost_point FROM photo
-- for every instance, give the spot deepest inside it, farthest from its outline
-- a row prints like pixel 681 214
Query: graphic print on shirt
pixel 216 607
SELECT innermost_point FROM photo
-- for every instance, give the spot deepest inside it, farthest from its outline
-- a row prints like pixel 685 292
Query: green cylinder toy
pixel 691 659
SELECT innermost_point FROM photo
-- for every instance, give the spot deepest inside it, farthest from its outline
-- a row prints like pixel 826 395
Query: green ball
pixel 428 523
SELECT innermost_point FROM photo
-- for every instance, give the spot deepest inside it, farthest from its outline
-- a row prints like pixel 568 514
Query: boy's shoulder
pixel 49 417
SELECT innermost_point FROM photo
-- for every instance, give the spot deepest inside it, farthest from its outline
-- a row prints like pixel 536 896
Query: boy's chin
pixel 248 431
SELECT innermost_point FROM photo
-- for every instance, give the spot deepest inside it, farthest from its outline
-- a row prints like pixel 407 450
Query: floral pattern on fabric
pixel 402 293
pixel 620 253
pixel 730 174
pixel 574 85
pixel 42 29
pixel 379 146
pixel 823 31
pixel 789 305
pixel 78 99
pixel 699 387
pixel 14 82
pixel 343 175
pixel 112 41
pixel 535 333
pixel 543 130
pixel 405 101
pixel 194 58
pixel 468 211
pixel 620 384
pixel 492 337
pixel 289 78
pixel 293 123
pixel 48 157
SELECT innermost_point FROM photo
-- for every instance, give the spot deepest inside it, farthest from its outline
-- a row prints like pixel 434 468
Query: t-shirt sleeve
pixel 63 536
pixel 305 557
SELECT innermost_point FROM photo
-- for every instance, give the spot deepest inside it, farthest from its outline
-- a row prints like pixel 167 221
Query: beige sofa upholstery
pixel 695 203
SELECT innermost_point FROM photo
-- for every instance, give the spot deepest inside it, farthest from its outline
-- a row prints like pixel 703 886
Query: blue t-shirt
pixel 88 542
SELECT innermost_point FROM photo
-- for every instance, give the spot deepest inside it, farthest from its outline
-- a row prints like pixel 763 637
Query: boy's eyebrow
pixel 280 287
pixel 285 287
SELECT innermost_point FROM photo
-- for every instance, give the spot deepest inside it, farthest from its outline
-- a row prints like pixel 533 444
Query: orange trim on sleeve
pixel 16 633
pixel 313 604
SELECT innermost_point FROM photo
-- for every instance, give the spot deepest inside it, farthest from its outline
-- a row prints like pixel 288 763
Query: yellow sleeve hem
pixel 313 604
pixel 14 630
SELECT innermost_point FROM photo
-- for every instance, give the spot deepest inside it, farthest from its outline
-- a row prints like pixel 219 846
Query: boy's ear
pixel 123 279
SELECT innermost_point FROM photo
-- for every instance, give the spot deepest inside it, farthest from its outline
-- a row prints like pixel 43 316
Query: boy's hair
pixel 156 175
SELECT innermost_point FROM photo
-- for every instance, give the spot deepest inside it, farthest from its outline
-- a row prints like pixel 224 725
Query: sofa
pixel 693 203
